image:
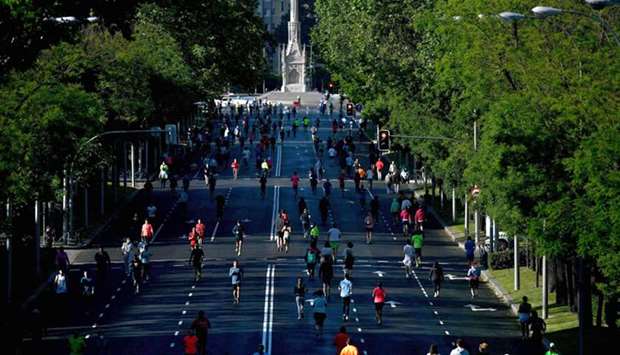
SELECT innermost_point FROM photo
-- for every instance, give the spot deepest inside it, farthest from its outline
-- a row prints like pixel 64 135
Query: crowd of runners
pixel 256 131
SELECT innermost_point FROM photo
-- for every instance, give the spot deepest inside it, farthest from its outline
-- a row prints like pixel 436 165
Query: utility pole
pixel 517 275
pixel 466 216
pixel 453 204
pixel 37 237
pixel 545 289
pixel 133 164
pixel 9 255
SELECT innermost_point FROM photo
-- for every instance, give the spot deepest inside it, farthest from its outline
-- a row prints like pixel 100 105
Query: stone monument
pixel 294 55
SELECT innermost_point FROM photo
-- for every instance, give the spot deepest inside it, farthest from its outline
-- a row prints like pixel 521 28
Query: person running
pixel 378 295
pixel 220 201
pixel 350 349
pixel 77 344
pixel 163 174
pixel 200 231
pixel 320 312
pixel 235 273
pixel 473 274
pixel 459 348
pixel 326 273
pixel 192 237
pixel 263 185
pixel 349 259
pixel 324 209
pixel 328 253
pixel 286 235
pixel 327 188
pixel 417 240
pixel 190 343
pixel 145 258
pixel 235 168
pixel 341 339
pixel 127 253
pixel 239 233
pixel 300 294
pixel 136 273
pixel 201 326
pixel 304 218
pixel 369 225
pixel 346 291
pixel 334 235
pixel 103 266
pixel 420 217
pixel 314 233
pixel 147 231
pixel 212 181
pixel 301 206
pixel 295 183
pixel 405 220
pixel 311 257
pixel 408 259
pixel 433 350
pixel 525 309
pixel 470 248
pixel 379 167
pixel 341 183
pixel 195 259
pixel 395 210
pixel 538 328
pixel 436 276
pixel 314 182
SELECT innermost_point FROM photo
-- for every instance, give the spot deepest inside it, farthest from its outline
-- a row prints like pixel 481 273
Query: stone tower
pixel 294 55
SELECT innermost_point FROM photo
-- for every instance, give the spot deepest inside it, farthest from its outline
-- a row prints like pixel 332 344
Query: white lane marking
pixel 274 212
pixel 190 294
pixel 87 336
pixel 172 345
pixel 362 340
pixel 180 322
pixel 359 330
pixel 355 310
pixel 441 322
pixel 187 303
pixel 100 315
pixel 436 313
pixel 272 294
pixel 357 319
pixel 113 297
pixel 266 309
pixel 165 220
pixel 107 306
pixel 217 225
pixel 184 312
pixel 94 325
pixel 176 333
pixel 447 332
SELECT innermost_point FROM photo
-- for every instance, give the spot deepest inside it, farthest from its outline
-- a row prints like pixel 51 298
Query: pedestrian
pixel 346 291
pixel 220 202
pixel 537 327
pixel 436 276
pixel 369 225
pixel 127 253
pixel 186 181
pixel 370 175
pixel 395 210
pixel 473 274
pixel 260 350
pixel 324 209
pixel 286 235
pixel 311 257
pixel 314 232
pixel 304 218
pixel 147 231
pixel 334 235
pixel 349 259
pixel 433 350
pixel 136 273
pixel 417 241
pixel 483 348
pixel 212 181
pixel 200 231
pixel 326 273
pixel 60 284
pixel 524 317
pixel 320 311
pixel 379 167
pixel 459 348
pixel 300 293
pixel 201 326
pixel 350 349
pixel 408 259
pixel 327 188
pixel 163 174
pixel 62 260
pixel 551 350
pixel 196 258
pixel 239 233
pixel 341 339
pixel 235 273
pixel 295 183
pixel 190 343
pixel 235 168
pixel 77 344
pixel 378 295
pixel 420 218
pixel 341 183
pixel 470 247
pixel 87 286
pixel 263 185
pixel 103 266
pixel 374 207
pixel 145 258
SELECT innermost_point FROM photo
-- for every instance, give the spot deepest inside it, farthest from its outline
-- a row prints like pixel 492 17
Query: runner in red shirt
pixel 193 238
pixel 147 231
pixel 379 166
pixel 200 230
pixel 419 218
pixel 295 182
pixel 190 343
pixel 235 168
pixel 378 295
pixel 340 340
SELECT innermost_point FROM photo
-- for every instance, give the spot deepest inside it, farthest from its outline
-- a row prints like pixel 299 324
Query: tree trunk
pixel 558 282
pixel 611 312
pixel 599 309
pixel 570 284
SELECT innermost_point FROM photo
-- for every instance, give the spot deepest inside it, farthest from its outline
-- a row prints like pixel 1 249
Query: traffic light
pixel 350 109
pixel 384 140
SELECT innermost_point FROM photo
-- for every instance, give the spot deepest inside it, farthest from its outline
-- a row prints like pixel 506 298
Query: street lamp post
pixel 543 12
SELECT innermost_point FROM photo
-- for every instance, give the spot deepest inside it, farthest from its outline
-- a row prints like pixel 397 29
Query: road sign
pixel 475 308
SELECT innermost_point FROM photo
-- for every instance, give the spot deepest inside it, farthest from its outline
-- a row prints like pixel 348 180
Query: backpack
pixel 311 257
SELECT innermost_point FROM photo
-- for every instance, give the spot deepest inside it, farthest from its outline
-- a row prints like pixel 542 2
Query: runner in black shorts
pixel 239 233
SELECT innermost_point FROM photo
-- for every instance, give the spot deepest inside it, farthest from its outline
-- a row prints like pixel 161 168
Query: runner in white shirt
pixel 346 290
pixel 408 259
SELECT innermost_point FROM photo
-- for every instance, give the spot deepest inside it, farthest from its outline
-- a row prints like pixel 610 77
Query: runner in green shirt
pixel 314 233
pixel 77 344
pixel 417 240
